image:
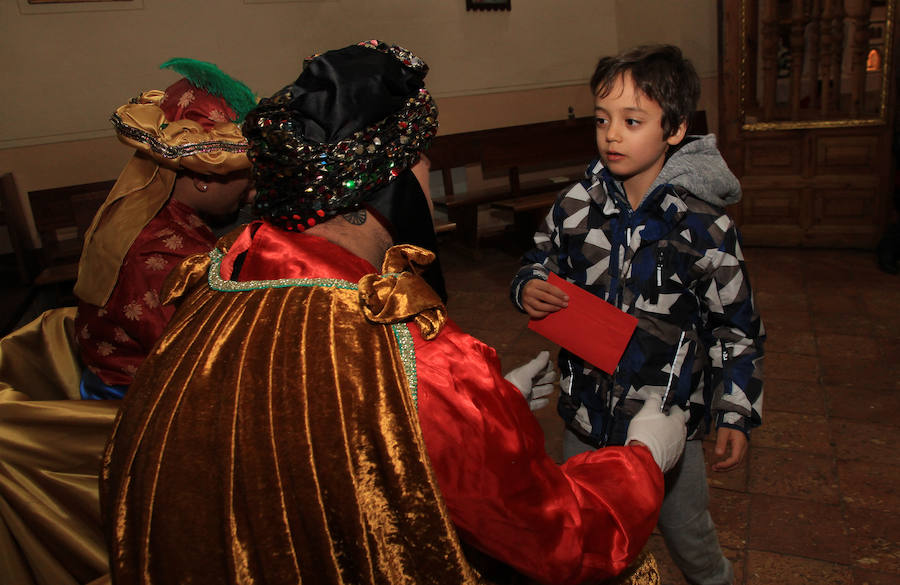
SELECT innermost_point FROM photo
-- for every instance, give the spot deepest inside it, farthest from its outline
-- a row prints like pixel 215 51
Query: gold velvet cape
pixel 272 437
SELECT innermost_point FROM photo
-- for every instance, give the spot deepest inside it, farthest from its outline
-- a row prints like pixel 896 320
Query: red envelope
pixel 589 327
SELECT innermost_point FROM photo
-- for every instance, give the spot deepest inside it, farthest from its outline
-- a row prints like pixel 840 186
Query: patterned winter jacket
pixel 675 263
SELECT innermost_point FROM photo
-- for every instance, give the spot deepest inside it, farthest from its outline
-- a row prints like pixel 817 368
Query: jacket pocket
pixel 720 354
pixel 657 276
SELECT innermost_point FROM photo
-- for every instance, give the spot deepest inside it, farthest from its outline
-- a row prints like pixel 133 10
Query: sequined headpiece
pixel 193 124
pixel 353 121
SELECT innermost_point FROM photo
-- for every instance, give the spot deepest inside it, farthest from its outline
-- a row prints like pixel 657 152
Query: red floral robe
pixel 114 339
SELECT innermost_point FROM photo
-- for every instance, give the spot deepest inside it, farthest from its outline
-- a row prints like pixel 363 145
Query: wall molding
pixel 25 7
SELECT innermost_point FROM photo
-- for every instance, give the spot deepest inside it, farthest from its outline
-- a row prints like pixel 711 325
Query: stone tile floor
pixel 817 500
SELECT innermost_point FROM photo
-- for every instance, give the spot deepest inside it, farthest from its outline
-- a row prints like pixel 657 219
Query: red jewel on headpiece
pixel 297 217
pixel 320 213
pixel 311 221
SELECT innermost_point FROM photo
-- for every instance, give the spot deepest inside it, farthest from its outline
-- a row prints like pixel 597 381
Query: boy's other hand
pixel 540 298
pixel 731 447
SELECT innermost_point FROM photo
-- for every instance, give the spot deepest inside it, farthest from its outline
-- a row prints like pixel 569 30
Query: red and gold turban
pixel 194 125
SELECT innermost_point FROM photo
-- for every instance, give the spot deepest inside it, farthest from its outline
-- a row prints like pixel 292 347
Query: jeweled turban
pixel 351 123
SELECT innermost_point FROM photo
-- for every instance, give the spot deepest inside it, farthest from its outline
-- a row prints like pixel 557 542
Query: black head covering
pixel 342 137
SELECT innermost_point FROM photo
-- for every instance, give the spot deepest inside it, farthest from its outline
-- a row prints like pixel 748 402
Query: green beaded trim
pixel 401 331
pixel 216 282
pixel 408 357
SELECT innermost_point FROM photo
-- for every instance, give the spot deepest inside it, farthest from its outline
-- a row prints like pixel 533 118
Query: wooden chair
pixel 61 216
pixel 17 291
pixel 16 221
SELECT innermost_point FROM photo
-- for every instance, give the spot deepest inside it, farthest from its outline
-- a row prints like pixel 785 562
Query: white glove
pixel 664 434
pixel 534 380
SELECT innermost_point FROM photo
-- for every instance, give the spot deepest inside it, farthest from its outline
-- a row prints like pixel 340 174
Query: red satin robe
pixel 582 521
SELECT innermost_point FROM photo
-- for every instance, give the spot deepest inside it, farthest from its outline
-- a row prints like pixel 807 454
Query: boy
pixel 646 232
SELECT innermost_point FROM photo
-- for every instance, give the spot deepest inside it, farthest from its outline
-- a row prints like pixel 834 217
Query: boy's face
pixel 630 136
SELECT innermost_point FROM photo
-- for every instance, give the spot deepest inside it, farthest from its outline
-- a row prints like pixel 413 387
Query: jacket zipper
pixel 665 396
pixel 726 386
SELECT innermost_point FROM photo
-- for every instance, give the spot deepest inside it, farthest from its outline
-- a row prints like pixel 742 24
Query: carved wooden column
pixel 825 75
pixel 814 51
pixel 798 24
pixel 837 51
pixel 858 13
pixel 769 47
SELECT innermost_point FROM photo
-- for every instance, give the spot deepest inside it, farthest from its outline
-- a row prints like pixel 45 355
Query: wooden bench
pixel 46 273
pixel 528 211
pixel 508 152
pixel 61 217
pixel 518 149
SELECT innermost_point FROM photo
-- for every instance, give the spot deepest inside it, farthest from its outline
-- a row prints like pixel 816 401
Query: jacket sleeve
pixel 734 333
pixel 543 258
pixel 580 522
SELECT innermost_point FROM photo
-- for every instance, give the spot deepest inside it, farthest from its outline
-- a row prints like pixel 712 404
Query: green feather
pixel 209 77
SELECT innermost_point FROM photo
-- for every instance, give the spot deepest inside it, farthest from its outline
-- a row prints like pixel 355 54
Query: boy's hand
pixel 540 298
pixel 736 441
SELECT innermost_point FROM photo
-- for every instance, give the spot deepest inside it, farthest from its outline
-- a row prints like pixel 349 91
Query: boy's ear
pixel 678 135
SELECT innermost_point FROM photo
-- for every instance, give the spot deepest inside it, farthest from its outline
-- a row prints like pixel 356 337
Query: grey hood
pixel 698 167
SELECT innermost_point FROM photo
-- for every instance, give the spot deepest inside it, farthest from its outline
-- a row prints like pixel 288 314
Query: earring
pixel 203 187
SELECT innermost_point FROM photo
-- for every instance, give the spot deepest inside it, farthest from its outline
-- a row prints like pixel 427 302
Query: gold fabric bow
pixel 399 293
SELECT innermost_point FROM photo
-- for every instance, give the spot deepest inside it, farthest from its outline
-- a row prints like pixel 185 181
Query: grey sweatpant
pixel 684 520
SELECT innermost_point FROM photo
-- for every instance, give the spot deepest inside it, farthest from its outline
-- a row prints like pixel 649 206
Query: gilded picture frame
pixel 488 5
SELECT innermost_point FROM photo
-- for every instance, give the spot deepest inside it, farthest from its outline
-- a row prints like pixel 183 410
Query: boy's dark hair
pixel 662 73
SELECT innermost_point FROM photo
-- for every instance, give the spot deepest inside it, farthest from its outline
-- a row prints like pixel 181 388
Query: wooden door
pixel 806 118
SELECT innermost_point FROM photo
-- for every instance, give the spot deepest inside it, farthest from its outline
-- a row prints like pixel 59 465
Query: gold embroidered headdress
pixel 195 125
